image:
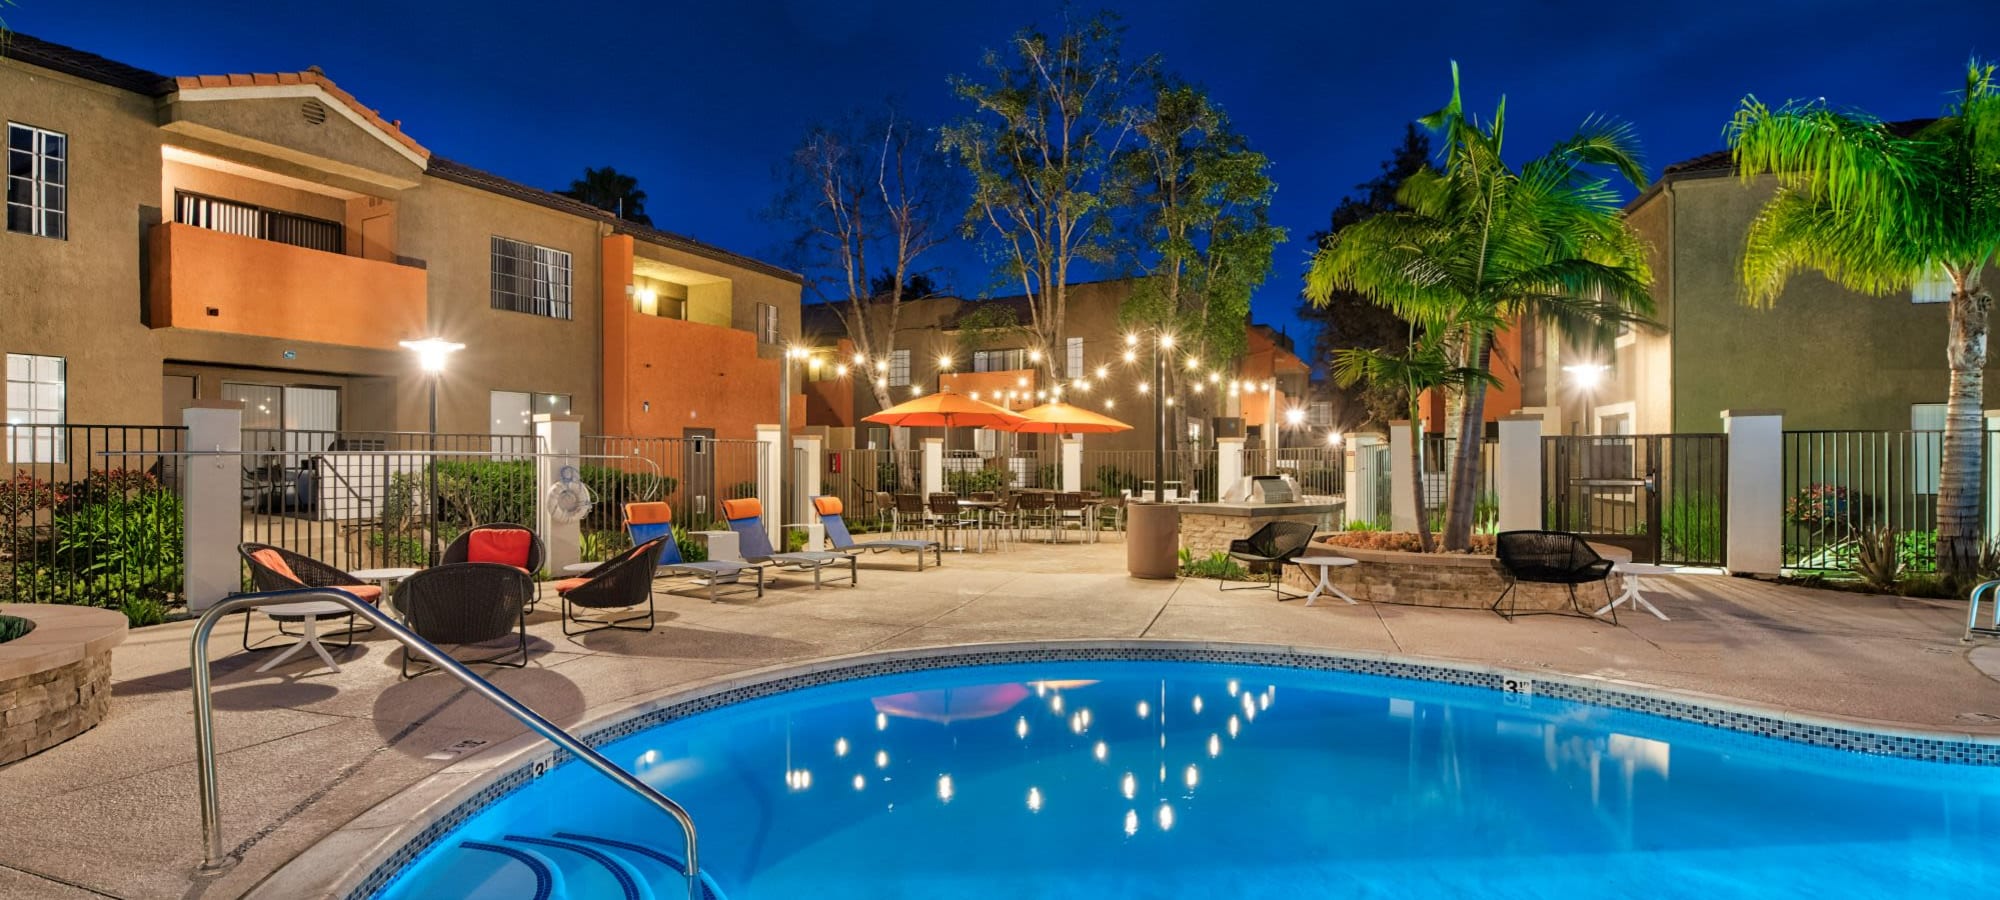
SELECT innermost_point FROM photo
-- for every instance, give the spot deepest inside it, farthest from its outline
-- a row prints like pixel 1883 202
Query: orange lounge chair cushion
pixel 828 506
pixel 508 546
pixel 275 561
pixel 569 584
pixel 652 513
pixel 744 508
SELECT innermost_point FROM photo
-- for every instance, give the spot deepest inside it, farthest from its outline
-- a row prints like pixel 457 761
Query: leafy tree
pixel 916 287
pixel 987 325
pixel 1481 242
pixel 1873 206
pixel 612 191
pixel 1348 319
pixel 1046 126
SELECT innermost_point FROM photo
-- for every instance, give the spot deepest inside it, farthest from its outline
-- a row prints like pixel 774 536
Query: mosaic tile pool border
pixel 1881 744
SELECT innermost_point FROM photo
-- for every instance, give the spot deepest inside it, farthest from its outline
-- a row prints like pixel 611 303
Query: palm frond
pixel 1796 232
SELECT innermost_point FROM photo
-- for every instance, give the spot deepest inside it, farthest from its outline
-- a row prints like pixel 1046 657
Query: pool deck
pixel 113 813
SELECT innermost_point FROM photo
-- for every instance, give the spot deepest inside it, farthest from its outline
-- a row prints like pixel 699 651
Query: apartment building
pixel 267 239
pixel 984 348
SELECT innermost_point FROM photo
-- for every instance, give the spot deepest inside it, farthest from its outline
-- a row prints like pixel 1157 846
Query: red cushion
pixel 369 592
pixel 569 584
pixel 509 546
pixel 275 561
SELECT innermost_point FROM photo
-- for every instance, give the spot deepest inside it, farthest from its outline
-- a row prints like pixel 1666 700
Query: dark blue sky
pixel 700 100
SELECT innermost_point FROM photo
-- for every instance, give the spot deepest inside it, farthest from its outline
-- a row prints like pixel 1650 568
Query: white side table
pixel 387 578
pixel 310 611
pixel 578 568
pixel 1633 572
pixel 1326 565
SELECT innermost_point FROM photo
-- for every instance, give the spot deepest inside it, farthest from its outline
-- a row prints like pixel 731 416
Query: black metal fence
pixel 692 474
pixel 1839 485
pixel 866 481
pixel 91 515
pixel 1662 496
pixel 1186 473
pixel 1438 453
pixel 1321 472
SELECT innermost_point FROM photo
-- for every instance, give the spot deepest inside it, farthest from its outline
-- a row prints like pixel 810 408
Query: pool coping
pixel 360 857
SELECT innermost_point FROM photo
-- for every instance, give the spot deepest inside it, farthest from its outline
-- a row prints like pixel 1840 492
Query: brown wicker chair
pixel 624 581
pixel 467 603
pixel 278 569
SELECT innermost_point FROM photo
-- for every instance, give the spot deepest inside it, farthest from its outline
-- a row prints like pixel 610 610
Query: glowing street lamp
pixel 431 356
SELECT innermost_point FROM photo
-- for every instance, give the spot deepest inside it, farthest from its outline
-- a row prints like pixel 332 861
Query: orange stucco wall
pixel 1501 399
pixel 992 386
pixel 275 290
pixel 831 402
pixel 680 375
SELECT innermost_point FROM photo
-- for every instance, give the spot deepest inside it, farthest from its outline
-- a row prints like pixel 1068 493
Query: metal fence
pixel 692 474
pixel 1661 496
pixel 866 481
pixel 1186 472
pixel 1380 516
pixel 1321 472
pixel 91 515
pixel 1839 485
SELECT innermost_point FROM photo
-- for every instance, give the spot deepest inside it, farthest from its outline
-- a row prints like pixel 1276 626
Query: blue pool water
pixel 1199 780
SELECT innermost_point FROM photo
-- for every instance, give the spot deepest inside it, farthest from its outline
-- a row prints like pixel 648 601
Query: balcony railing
pixel 207 280
pixel 246 220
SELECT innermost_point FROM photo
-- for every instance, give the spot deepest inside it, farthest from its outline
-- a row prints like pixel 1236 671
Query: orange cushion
pixel 275 561
pixel 827 506
pixel 742 509
pixel 369 592
pixel 653 513
pixel 569 584
pixel 500 545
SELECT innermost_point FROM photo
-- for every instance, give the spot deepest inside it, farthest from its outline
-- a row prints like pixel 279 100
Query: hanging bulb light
pixel 1103 372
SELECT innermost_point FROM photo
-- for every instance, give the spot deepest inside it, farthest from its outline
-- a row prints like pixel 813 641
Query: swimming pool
pixel 1152 778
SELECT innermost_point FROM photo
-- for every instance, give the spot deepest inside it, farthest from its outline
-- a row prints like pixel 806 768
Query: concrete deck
pixel 112 813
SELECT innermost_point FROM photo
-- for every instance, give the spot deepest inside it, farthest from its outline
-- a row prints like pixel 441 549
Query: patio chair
pixel 746 518
pixel 1549 557
pixel 830 516
pixel 498 542
pixel 624 581
pixel 278 569
pixel 885 510
pixel 467 603
pixel 1032 507
pixel 654 521
pixel 947 516
pixel 1270 548
pixel 1069 508
pixel 911 513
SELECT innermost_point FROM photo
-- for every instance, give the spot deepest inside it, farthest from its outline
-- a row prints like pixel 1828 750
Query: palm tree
pixel 612 191
pixel 1424 364
pixel 1480 243
pixel 1874 206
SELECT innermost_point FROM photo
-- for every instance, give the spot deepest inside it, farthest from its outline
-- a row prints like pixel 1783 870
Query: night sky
pixel 701 100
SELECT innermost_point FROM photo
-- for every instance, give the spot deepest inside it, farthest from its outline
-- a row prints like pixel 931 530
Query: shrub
pixel 691 549
pixel 975 481
pixel 1111 480
pixel 1380 523
pixel 1215 565
pixel 22 497
pixel 116 550
pixel 478 492
pixel 1876 560
pixel 12 627
pixel 1829 507
pixel 399 549
pixel 598 546
pixel 143 611
pixel 1691 528
pixel 1405 541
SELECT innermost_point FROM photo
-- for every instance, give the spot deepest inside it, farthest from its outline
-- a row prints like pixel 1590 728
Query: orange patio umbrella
pixel 1062 418
pixel 945 409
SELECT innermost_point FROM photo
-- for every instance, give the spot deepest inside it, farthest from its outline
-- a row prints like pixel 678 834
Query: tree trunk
pixel 1464 490
pixel 1958 533
pixel 1424 541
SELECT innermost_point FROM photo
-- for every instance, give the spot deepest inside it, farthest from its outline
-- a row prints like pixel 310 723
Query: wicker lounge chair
pixel 501 542
pixel 830 516
pixel 654 521
pixel 467 603
pixel 278 569
pixel 746 518
pixel 1549 557
pixel 624 581
pixel 1274 545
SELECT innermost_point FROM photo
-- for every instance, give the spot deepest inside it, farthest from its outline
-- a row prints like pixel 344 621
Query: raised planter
pixel 55 681
pixel 1450 580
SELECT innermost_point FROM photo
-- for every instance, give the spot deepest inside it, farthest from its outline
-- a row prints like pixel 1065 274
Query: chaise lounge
pixel 654 521
pixel 830 516
pixel 746 518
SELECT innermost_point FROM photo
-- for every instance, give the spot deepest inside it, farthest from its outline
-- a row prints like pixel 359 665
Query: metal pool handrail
pixel 215 860
pixel 1972 612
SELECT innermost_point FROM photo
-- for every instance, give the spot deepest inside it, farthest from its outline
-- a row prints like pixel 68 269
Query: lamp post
pixel 431 355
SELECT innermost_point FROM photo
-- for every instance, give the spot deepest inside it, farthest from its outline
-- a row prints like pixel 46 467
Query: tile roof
pixel 88 66
pixel 461 173
pixel 312 76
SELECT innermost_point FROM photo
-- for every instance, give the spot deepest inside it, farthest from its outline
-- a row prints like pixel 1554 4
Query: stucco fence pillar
pixel 1518 472
pixel 1402 505
pixel 1755 508
pixel 806 462
pixel 559 440
pixel 1361 473
pixel 211 503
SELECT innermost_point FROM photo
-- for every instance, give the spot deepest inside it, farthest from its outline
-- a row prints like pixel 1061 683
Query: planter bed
pixel 1450 580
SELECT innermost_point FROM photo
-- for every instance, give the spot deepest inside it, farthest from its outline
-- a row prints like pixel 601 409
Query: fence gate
pixel 1661 496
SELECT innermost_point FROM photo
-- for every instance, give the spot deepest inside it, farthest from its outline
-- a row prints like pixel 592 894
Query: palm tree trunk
pixel 1958 534
pixel 1424 541
pixel 1464 492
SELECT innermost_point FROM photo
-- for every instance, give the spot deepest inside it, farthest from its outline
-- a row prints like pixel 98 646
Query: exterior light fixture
pixel 1586 376
pixel 1103 372
pixel 1034 356
pixel 1333 438
pixel 432 352
pixel 944 361
pixel 1295 417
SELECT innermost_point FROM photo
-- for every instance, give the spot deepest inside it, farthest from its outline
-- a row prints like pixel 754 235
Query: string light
pixel 840 370
pixel 944 361
pixel 1109 403
pixel 860 360
pixel 1333 438
pixel 1131 357
pixel 1170 401
pixel 916 390
pixel 1034 356
pixel 881 382
pixel 1131 340
pixel 1103 372
pixel 881 365
pixel 1142 387
pixel 975 395
pixel 1021 382
pixel 1193 363
pixel 1214 377
pixel 1167 341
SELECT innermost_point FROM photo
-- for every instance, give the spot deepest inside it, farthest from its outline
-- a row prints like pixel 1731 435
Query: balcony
pixel 207 280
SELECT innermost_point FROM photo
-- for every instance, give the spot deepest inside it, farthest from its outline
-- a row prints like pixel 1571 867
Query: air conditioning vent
pixel 313 111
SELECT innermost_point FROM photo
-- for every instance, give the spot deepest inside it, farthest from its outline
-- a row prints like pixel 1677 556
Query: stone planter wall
pixel 1204 534
pixel 1451 580
pixel 55 682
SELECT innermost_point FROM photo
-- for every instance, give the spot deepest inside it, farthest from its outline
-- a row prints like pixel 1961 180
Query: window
pixel 37 181
pixel 767 323
pixel 899 368
pixel 1934 286
pixel 514 411
pixel 1075 347
pixel 531 279
pixel 1616 418
pixel 35 399
pixel 1319 414
pixel 999 360
pixel 1926 446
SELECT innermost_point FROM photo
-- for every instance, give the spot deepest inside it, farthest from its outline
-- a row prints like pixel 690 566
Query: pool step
pixel 496 872
pixel 663 870
pixel 587 870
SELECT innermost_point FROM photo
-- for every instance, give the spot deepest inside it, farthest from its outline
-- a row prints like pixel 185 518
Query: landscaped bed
pixel 1388 573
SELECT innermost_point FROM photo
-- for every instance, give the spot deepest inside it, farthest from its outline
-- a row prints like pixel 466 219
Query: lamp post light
pixel 431 356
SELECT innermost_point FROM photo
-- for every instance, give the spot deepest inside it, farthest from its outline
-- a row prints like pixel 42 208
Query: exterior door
pixel 698 477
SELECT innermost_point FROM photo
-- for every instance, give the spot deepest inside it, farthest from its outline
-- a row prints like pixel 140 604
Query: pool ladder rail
pixel 216 860
pixel 1992 627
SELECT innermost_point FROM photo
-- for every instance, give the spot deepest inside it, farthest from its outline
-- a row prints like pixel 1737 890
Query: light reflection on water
pixel 1006 781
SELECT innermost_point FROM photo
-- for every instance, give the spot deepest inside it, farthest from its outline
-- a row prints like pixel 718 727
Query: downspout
pixel 1673 304
pixel 604 230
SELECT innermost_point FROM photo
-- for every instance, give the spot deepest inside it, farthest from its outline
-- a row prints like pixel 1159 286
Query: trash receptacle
pixel 1152 539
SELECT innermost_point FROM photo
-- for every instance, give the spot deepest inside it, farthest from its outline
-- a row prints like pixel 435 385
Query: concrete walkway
pixel 112 813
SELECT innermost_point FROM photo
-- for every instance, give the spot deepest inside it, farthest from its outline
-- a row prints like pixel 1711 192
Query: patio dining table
pixel 981 511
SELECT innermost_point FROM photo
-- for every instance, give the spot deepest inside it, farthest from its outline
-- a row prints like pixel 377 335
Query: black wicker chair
pixel 624 581
pixel 1274 545
pixel 461 547
pixel 1549 557
pixel 278 569
pixel 467 603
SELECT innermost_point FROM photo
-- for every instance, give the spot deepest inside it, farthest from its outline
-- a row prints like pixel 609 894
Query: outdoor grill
pixel 1271 489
